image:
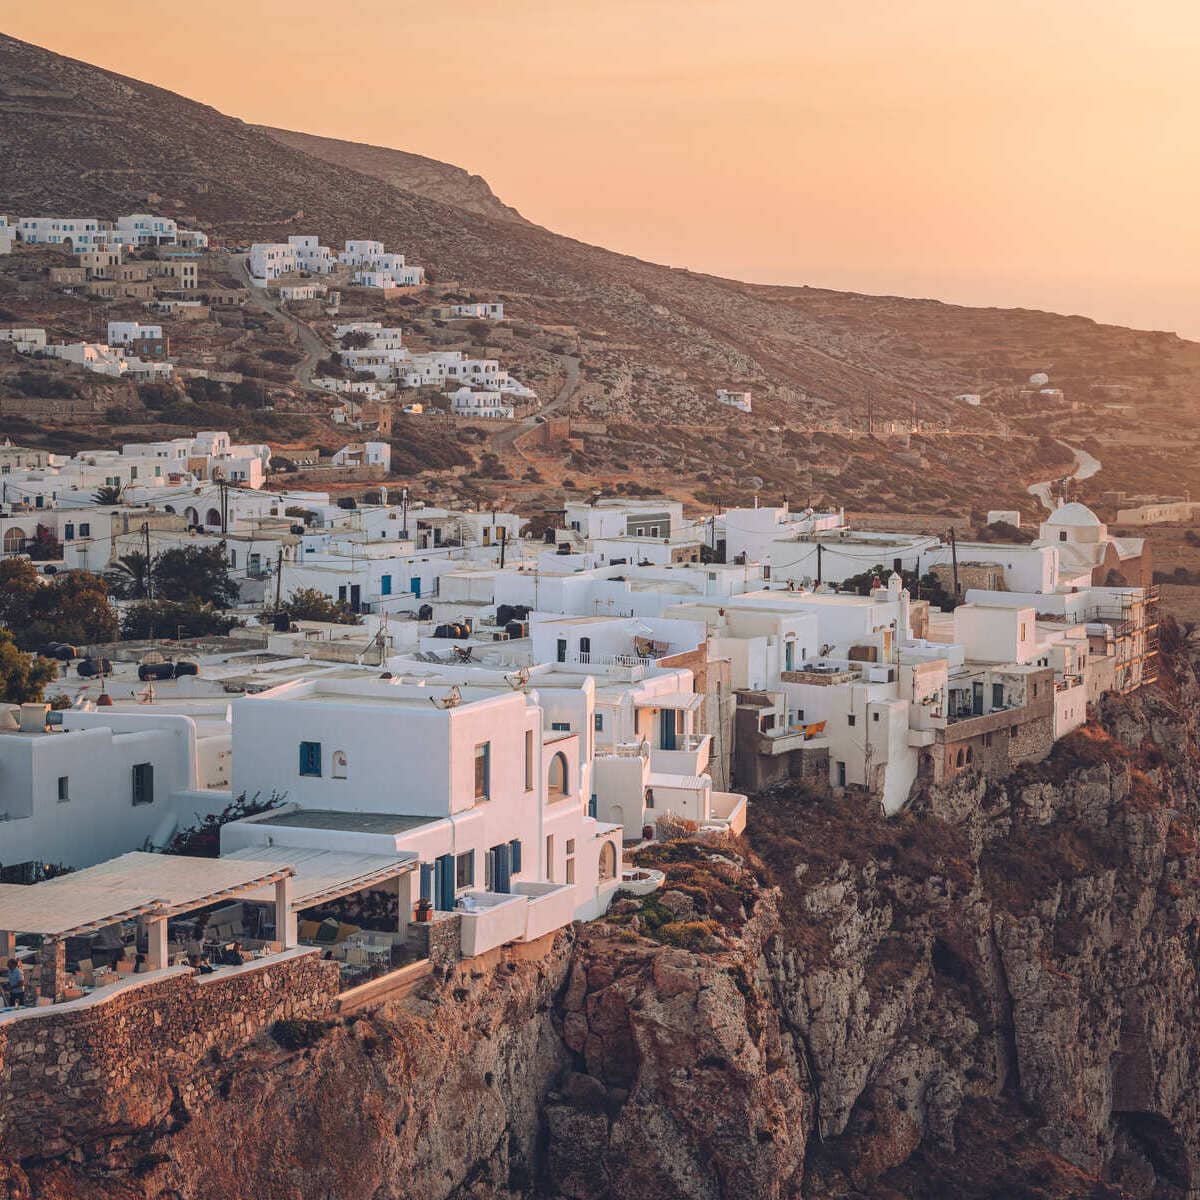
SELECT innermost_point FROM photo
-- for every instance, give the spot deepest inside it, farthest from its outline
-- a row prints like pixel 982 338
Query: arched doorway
pixel 14 540
pixel 557 780
pixel 608 862
pixel 212 517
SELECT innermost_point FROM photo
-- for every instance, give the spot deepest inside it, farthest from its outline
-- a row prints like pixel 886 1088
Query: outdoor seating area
pixel 131 917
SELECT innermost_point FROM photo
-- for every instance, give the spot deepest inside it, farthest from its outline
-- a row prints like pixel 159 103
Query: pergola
pixel 324 875
pixel 149 887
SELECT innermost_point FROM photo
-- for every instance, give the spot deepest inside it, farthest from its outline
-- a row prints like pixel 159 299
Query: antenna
pixel 452 699
pixel 519 680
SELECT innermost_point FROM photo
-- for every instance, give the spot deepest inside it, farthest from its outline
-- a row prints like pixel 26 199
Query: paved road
pixel 1086 465
pixel 314 349
pixel 507 436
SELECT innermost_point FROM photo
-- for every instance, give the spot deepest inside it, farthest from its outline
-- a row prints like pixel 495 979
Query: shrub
pixel 297 1033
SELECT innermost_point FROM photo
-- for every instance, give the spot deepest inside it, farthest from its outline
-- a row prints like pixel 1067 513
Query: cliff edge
pixel 994 994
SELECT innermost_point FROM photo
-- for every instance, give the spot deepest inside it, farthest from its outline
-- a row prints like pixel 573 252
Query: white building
pixel 739 400
pixel 310 255
pixel 493 805
pixel 125 333
pixel 468 403
pixel 270 260
pixel 364 454
pixel 145 229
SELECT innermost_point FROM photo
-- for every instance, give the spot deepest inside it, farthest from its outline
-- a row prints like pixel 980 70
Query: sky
pixel 989 152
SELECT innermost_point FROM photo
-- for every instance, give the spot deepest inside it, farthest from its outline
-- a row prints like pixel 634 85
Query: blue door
pixel 385 585
pixel 501 868
pixel 427 882
pixel 414 586
pixel 666 722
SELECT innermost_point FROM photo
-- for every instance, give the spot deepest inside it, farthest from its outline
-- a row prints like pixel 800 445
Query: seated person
pixel 200 964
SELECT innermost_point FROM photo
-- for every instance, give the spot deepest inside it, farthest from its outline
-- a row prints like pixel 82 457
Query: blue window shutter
pixel 444 878
pixel 427 881
pixel 592 805
pixel 514 856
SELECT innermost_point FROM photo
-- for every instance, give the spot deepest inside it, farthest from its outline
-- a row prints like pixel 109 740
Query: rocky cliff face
pixel 992 995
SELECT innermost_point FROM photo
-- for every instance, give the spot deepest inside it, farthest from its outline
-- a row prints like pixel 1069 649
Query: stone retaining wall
pixel 123 1062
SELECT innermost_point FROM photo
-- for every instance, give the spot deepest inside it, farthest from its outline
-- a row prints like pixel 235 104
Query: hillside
pixel 653 343
pixel 410 172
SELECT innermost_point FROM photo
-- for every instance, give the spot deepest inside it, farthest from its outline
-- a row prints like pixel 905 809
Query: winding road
pixel 1086 465
pixel 506 437
pixel 314 349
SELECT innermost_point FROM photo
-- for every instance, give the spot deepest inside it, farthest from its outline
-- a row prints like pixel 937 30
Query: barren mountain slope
pixel 412 172
pixel 74 138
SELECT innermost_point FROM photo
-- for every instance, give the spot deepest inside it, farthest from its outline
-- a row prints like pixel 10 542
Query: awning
pixel 686 783
pixel 680 701
pixel 132 885
pixel 323 875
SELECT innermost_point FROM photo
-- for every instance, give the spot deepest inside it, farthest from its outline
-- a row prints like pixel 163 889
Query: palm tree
pixel 107 495
pixel 129 576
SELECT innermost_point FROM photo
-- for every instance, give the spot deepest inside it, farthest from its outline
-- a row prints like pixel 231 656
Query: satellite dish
pixel 452 699
pixel 519 680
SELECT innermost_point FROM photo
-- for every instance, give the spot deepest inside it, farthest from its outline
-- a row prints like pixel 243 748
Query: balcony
pixel 690 756
pixel 493 919
pixel 551 906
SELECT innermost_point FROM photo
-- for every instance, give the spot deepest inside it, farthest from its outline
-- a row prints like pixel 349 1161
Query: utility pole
pixel 404 508
pixel 278 578
pixel 503 544
pixel 820 547
pixel 149 573
pixel 954 559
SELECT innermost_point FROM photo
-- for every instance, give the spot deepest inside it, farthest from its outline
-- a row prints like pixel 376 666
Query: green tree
pixel 308 604
pixel 23 677
pixel 195 573
pixel 107 495
pixel 44 545
pixel 171 619
pixel 19 584
pixel 128 577
pixel 72 607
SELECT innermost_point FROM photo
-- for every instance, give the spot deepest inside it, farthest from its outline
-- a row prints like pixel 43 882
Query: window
pixel 85 529
pixel 874 716
pixel 598 722
pixel 483 771
pixel 557 782
pixel 570 860
pixel 310 758
pixel 529 760
pixel 339 764
pixel 550 857
pixel 1062 537
pixel 649 797
pixel 68 531
pixel 514 856
pixel 143 783
pixel 850 719
pixel 64 792
pixel 464 870
pixel 560 727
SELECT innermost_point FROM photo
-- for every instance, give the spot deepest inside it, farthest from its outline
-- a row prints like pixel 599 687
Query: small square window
pixel 875 716
pixel 850 719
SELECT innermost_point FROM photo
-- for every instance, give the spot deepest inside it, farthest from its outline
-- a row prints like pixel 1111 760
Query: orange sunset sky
pixel 1012 153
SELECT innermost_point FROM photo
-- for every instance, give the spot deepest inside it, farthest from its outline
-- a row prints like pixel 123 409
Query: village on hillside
pixel 400 732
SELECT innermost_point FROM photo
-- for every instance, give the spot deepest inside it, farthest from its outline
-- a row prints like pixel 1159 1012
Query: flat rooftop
pixel 347 822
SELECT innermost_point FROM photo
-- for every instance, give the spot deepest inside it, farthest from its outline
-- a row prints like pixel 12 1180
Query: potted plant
pixel 424 910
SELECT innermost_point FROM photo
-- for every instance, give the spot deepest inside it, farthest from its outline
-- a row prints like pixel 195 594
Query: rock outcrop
pixel 994 994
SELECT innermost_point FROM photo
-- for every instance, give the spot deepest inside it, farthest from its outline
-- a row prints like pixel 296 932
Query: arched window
pixel 193 517
pixel 558 775
pixel 14 540
pixel 168 508
pixel 585 649
pixel 961 759
pixel 339 764
pixel 970 755
pixel 608 862
pixel 213 517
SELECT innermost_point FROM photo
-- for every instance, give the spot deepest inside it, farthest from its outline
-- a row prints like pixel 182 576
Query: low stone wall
pixel 122 1062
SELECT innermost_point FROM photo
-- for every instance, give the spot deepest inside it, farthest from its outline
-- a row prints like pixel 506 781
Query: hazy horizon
pixel 1010 154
